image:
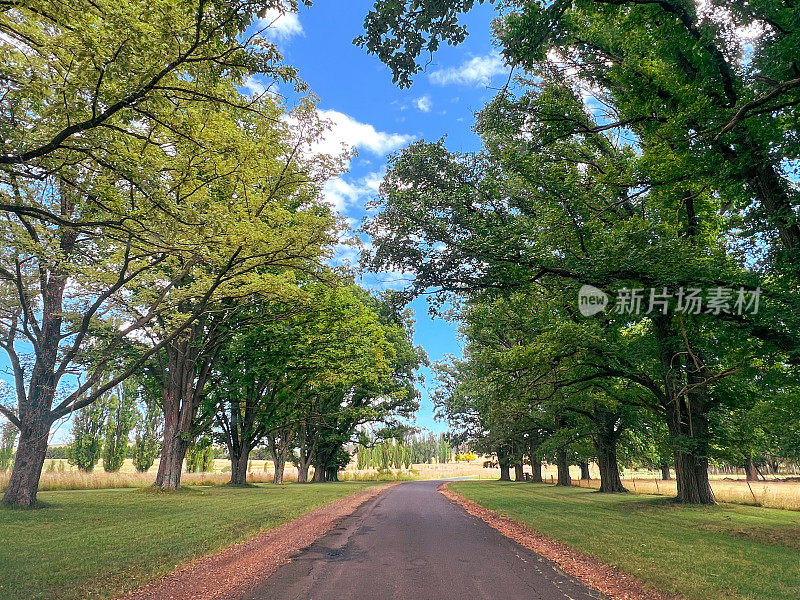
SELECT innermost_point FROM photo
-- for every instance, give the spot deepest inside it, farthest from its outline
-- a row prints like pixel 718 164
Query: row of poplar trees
pixel 383 454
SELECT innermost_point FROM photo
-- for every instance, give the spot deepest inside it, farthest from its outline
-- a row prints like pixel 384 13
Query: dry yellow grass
pixel 59 475
pixel 772 494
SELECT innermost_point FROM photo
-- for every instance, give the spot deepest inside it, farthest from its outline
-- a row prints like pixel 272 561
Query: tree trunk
pixel 31 449
pixel 279 446
pixel 306 455
pixel 319 475
pixel 562 465
pixel 519 473
pixel 239 467
pixel 763 180
pixel 35 406
pixel 774 465
pixel 585 475
pixel 536 462
pixel 187 370
pixel 173 452
pixel 610 482
pixel 686 417
pixel 751 473
pixel 505 464
pixel 665 474
pixel 279 463
pixel 691 471
pixel 690 438
pixel 302 471
pixel 536 467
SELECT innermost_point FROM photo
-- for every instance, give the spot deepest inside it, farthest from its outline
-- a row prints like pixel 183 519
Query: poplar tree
pixel 121 420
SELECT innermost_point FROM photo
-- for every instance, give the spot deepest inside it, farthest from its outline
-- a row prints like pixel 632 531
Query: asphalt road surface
pixel 410 542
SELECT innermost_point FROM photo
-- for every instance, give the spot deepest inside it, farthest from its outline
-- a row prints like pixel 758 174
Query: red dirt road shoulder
pixel 236 570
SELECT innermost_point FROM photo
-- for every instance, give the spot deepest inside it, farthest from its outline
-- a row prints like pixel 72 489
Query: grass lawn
pixel 705 553
pixel 97 543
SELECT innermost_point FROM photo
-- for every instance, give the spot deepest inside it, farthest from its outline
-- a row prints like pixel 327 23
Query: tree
pixel 78 99
pixel 200 456
pixel 248 397
pixel 147 433
pixel 702 153
pixel 119 190
pixel 88 427
pixel 444 452
pixel 281 232
pixel 309 373
pixel 121 420
pixel 363 457
pixel 465 223
pixel 375 385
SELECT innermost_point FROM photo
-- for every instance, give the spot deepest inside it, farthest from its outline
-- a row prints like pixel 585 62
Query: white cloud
pixel 346 254
pixel 424 104
pixel 255 87
pixel 345 133
pixel 341 194
pixel 280 24
pixel 478 70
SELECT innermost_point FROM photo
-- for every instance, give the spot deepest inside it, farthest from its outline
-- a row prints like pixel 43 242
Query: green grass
pixel 98 543
pixel 705 553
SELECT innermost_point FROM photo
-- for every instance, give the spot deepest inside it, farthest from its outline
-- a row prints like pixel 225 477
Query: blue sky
pixel 367 111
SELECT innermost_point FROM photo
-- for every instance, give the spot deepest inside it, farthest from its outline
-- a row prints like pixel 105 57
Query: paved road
pixel 410 542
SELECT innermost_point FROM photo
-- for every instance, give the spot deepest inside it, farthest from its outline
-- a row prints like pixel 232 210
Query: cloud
pixel 346 132
pixel 280 24
pixel 341 194
pixel 424 104
pixel 256 87
pixel 478 70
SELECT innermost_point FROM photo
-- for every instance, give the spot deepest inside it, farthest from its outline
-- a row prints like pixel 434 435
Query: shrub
pixel 8 435
pixel 200 456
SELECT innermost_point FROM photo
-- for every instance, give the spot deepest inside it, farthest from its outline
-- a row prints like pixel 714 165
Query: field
pixel 771 494
pixel 730 552
pixel 59 475
pixel 98 543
